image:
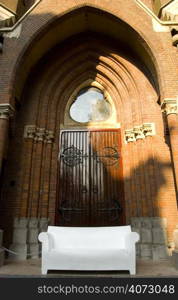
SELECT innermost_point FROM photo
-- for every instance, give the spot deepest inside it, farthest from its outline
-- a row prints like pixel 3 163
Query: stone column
pixel 46 173
pixel 35 226
pixel 136 227
pixel 29 135
pixel 43 224
pixel 6 111
pixel 159 248
pixel 146 238
pixel 170 108
pixel 19 243
pixel 25 237
pixel 37 167
pixel 33 244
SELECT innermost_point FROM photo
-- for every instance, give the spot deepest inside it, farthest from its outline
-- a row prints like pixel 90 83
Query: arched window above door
pixel 90 105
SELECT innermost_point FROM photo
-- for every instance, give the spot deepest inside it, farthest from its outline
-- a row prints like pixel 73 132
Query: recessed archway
pixel 87 58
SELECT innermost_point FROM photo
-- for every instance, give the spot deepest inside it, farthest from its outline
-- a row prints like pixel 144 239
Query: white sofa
pixel 88 248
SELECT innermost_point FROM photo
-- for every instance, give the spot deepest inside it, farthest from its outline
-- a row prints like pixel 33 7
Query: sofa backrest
pixel 89 237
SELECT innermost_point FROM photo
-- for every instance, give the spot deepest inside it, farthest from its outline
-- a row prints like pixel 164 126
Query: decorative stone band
pixel 139 132
pixel 38 134
pixel 170 106
pixel 6 111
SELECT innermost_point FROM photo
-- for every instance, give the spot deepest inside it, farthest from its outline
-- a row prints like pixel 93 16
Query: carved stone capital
pixel 30 131
pixel 49 136
pixel 129 136
pixel 170 106
pixel 40 134
pixel 6 111
pixel 148 129
pixel 139 132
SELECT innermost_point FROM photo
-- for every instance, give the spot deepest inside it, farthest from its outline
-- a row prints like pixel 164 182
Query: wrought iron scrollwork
pixel 116 208
pixel 66 211
pixel 73 156
pixel 108 155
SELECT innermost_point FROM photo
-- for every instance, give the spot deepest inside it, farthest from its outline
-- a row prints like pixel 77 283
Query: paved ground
pixel 144 269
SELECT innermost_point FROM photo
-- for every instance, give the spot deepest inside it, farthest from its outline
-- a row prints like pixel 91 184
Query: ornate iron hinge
pixel 73 156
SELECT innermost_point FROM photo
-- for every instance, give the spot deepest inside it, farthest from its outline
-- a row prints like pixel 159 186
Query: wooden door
pixel 90 179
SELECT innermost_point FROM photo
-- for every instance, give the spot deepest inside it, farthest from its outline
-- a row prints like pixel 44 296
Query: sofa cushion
pixel 88 259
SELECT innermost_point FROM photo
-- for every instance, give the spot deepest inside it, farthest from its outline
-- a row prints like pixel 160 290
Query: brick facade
pixel 61 45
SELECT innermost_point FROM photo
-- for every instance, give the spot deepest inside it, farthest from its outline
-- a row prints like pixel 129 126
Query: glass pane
pixel 90 106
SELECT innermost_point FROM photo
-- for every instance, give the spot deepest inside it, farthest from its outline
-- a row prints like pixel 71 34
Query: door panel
pixel 74 178
pixel 90 179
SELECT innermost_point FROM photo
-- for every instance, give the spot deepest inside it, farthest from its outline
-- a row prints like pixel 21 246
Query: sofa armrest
pixel 131 239
pixel 47 241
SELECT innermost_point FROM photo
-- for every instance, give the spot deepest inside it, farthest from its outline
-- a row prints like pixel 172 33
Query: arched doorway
pixel 100 62
pixel 88 59
pixel 90 183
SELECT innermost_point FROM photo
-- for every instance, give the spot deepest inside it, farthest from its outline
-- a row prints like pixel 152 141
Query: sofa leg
pixel 132 271
pixel 44 271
